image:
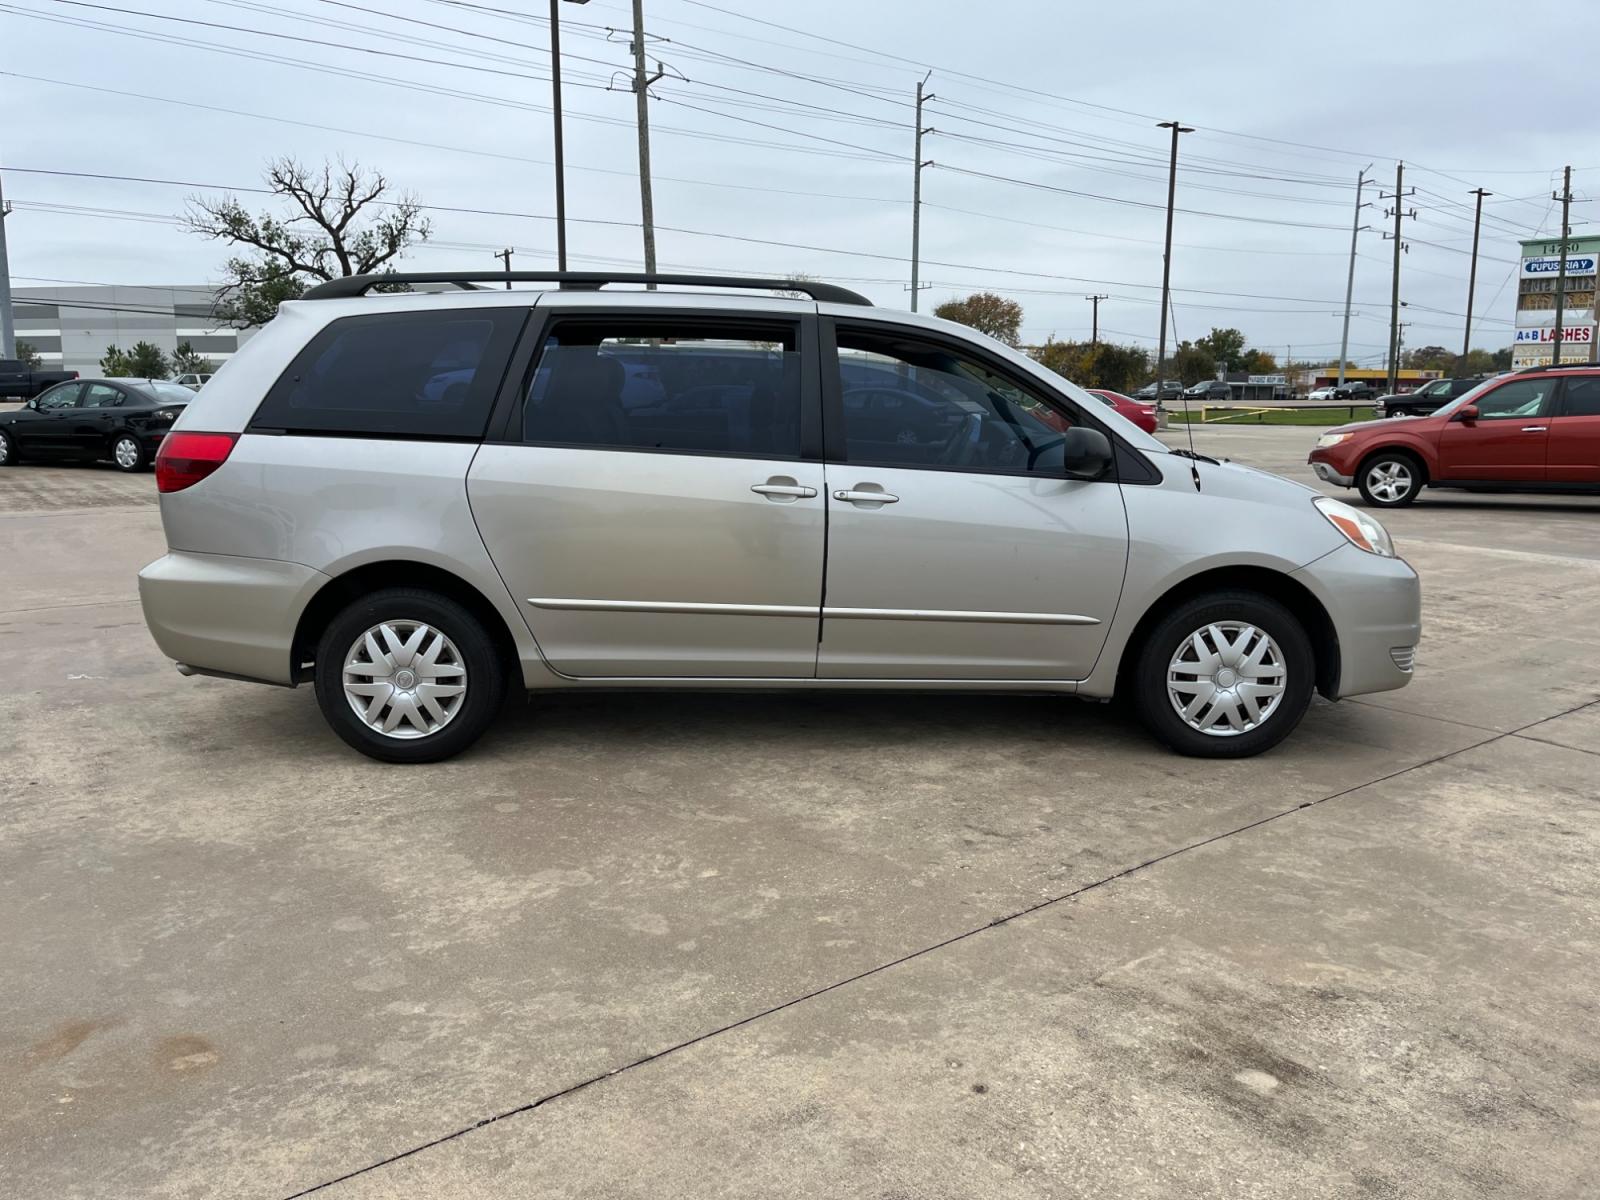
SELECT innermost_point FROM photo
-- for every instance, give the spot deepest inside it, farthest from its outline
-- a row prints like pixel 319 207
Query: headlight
pixel 1330 439
pixel 1364 532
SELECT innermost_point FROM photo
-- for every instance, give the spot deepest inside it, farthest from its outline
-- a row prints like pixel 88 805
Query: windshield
pixel 1464 398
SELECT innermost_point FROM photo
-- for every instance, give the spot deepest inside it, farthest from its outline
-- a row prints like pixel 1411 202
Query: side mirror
pixel 33 403
pixel 1085 453
pixel 1467 414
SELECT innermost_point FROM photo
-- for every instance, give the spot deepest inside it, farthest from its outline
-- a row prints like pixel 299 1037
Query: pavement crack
pixel 921 952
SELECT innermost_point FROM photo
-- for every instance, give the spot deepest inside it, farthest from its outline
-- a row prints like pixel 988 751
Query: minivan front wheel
pixel 408 675
pixel 1225 675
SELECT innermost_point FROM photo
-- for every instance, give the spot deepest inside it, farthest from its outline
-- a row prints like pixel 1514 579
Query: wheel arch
pixel 1286 590
pixel 351 585
pixel 1413 452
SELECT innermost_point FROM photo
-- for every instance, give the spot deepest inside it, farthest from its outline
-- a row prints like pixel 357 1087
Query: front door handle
pixel 855 497
pixel 1536 429
pixel 784 491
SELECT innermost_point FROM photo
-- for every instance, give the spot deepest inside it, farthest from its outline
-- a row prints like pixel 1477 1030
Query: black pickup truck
pixel 18 381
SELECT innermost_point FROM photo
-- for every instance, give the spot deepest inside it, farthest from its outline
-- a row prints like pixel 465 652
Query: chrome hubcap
pixel 405 679
pixel 5 448
pixel 1226 679
pixel 126 452
pixel 1390 480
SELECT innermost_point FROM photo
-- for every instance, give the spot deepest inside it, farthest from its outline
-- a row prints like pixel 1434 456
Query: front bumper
pixel 1327 474
pixel 1375 604
pixel 223 615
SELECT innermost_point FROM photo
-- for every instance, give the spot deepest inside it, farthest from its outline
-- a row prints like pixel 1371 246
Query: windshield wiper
pixel 1205 458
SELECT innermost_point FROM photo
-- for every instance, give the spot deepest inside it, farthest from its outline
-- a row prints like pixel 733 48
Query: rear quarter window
pixel 419 374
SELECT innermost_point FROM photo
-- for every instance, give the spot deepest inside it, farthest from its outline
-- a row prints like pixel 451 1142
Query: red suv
pixel 1535 431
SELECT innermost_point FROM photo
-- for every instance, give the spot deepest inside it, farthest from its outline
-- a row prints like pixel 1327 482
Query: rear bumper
pixel 221 615
pixel 1376 608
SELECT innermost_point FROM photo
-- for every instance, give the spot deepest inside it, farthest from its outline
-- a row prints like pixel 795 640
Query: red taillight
pixel 186 458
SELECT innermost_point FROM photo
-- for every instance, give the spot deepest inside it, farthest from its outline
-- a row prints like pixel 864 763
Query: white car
pixel 1322 393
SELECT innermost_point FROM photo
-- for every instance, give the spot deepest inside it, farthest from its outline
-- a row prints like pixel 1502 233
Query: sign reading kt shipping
pixel 1572 333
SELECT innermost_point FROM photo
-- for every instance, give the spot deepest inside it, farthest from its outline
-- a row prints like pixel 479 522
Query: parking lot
pixel 882 945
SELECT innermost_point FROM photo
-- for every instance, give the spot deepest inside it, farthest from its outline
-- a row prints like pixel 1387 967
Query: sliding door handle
pixel 855 497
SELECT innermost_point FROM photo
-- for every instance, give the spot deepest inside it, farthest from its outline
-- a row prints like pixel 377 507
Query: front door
pixel 1506 442
pixel 1574 453
pixel 654 507
pixel 43 428
pixel 957 546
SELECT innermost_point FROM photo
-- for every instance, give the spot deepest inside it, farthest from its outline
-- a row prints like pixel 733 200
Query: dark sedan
pixel 86 420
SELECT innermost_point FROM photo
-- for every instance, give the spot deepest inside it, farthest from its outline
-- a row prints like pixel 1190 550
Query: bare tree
pixel 343 220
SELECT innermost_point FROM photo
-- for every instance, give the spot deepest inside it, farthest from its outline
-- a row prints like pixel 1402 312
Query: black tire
pixel 128 453
pixel 1156 707
pixel 1400 463
pixel 474 648
pixel 8 450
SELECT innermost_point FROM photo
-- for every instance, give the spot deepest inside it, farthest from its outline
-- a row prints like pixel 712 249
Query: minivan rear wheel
pixel 408 675
pixel 1225 675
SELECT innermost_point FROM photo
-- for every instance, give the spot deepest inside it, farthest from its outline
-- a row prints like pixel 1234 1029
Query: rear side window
pixel 1580 397
pixel 667 384
pixel 423 374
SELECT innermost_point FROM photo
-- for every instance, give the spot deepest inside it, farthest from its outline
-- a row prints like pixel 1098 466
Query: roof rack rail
pixel 358 285
pixel 1570 366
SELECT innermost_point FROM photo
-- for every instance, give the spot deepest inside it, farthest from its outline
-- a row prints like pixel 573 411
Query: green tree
pixel 1430 358
pixel 1192 363
pixel 1501 359
pixel 144 361
pixel 988 313
pixel 1102 365
pixel 28 356
pixel 1478 362
pixel 342 220
pixel 1258 362
pixel 186 359
pixel 1225 346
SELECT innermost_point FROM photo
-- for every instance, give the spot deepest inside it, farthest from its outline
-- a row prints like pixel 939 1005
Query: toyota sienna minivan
pixel 415 501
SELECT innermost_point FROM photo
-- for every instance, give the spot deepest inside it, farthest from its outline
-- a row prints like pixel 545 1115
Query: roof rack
pixel 589 281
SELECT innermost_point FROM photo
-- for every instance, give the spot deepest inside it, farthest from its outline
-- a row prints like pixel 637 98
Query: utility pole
pixel 561 174
pixel 916 189
pixel 1350 279
pixel 1166 254
pixel 1394 296
pixel 1094 337
pixel 1561 272
pixel 641 87
pixel 1472 277
pixel 506 255
pixel 8 329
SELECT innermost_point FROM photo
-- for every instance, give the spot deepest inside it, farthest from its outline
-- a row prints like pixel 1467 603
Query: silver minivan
pixel 414 501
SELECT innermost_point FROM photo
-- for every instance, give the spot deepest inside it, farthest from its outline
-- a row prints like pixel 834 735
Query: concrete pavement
pixel 801 945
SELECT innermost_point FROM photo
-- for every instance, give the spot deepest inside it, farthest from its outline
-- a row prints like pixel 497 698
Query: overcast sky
pixel 796 136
